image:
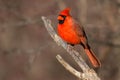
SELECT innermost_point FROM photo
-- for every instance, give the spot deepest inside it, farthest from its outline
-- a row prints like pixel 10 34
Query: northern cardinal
pixel 73 33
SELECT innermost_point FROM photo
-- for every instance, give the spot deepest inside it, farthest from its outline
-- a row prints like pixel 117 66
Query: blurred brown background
pixel 27 52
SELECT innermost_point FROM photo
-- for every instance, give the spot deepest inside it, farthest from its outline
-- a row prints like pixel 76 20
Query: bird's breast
pixel 68 34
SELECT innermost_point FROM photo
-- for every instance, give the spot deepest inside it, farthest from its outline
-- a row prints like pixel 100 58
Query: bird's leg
pixel 70 44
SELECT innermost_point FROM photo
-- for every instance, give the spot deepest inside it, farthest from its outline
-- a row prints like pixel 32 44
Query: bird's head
pixel 63 14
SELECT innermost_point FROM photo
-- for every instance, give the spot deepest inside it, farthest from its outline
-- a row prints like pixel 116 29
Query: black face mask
pixel 62 21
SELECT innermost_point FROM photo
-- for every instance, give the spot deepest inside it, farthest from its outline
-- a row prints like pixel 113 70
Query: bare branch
pixel 68 67
pixel 88 74
pixel 69 48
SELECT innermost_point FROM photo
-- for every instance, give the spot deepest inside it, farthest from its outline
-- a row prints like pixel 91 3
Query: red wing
pixel 79 29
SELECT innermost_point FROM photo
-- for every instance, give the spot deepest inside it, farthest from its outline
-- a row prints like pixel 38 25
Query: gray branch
pixel 88 74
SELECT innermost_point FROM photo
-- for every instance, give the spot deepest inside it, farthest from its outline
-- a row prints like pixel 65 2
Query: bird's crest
pixel 65 12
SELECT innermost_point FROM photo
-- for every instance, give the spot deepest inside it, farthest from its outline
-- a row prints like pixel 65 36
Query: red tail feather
pixel 95 62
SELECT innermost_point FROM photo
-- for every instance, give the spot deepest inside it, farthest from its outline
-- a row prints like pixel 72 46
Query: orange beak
pixel 60 18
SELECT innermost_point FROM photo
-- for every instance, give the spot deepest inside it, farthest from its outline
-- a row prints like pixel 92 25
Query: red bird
pixel 71 32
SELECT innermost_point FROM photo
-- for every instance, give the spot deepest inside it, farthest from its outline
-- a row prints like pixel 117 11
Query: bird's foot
pixel 69 47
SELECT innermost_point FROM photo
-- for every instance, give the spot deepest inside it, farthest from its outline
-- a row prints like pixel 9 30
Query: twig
pixel 88 74
pixel 68 67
